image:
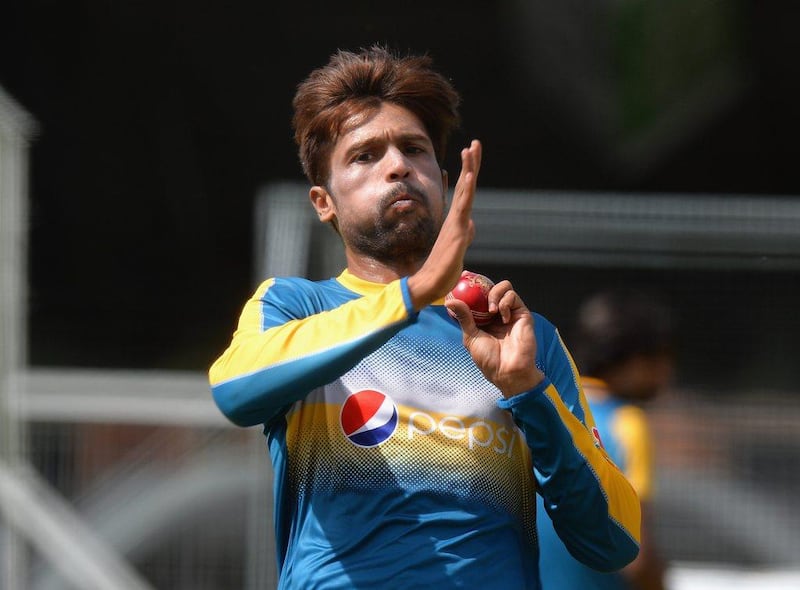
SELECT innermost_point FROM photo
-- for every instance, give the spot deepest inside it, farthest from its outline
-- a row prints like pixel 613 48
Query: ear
pixel 323 203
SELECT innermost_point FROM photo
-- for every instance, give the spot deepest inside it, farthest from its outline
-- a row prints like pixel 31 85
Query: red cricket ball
pixel 473 289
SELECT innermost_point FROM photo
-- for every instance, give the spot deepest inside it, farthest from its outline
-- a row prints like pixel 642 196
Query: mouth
pixel 404 205
pixel 405 199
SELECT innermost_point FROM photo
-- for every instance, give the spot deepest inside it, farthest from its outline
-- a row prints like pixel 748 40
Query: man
pixel 407 447
pixel 623 347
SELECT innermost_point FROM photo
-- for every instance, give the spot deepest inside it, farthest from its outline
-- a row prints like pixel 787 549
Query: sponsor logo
pixel 598 442
pixel 476 433
pixel 368 418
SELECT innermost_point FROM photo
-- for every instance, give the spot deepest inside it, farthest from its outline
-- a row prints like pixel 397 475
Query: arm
pixel 594 509
pixel 281 350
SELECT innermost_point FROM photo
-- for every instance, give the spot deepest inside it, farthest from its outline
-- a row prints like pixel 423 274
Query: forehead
pixel 389 121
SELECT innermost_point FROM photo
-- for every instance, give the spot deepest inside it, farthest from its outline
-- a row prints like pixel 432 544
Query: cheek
pixel 338 185
pixel 438 200
pixel 435 185
pixel 349 181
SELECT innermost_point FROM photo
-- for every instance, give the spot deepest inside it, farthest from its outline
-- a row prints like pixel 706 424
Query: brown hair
pixel 353 84
pixel 616 325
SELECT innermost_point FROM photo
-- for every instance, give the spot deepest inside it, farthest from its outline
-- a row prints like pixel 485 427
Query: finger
pixel 497 292
pixel 509 304
pixel 462 314
pixel 505 306
pixel 464 192
pixel 471 161
pixel 477 155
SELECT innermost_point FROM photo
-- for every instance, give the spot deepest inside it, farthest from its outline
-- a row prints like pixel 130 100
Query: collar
pixel 357 285
pixel 365 287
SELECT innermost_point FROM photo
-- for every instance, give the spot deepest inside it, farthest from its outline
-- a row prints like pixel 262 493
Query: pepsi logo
pixel 368 418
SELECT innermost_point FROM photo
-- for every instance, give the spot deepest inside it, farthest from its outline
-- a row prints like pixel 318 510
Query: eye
pixel 364 155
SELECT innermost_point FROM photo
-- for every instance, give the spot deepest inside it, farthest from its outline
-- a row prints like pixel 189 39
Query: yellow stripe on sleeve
pixel 623 506
pixel 255 349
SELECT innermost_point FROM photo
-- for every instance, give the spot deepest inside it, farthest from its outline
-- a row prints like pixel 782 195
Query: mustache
pixel 403 188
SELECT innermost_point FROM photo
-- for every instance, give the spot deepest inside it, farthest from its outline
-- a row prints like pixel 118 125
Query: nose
pixel 398 166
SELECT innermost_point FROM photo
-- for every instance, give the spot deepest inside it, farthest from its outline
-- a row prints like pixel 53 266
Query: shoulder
pixel 543 326
pixel 296 286
pixel 548 337
pixel 632 432
pixel 301 297
pixel 631 422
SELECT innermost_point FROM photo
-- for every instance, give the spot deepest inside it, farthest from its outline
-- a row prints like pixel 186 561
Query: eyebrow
pixel 364 143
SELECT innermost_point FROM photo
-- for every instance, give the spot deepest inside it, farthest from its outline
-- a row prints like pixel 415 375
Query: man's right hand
pixel 441 270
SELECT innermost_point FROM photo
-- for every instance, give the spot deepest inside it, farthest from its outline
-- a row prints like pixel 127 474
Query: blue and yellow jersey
pixel 396 463
pixel 625 435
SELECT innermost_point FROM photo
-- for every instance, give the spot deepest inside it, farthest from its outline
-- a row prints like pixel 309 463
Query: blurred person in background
pixel 408 447
pixel 623 346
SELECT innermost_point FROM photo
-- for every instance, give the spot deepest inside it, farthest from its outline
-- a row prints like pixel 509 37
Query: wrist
pixel 419 290
pixel 522 384
pixel 415 292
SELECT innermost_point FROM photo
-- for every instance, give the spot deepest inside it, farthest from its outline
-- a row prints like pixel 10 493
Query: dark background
pixel 158 122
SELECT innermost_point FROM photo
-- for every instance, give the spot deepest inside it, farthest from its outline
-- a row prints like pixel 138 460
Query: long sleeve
pixel 290 340
pixel 594 508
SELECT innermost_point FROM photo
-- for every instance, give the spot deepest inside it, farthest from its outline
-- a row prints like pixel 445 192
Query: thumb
pixel 461 312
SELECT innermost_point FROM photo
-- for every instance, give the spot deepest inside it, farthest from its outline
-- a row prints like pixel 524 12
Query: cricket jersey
pixel 626 437
pixel 396 463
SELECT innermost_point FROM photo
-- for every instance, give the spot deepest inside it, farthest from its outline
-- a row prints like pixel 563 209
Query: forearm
pixel 593 507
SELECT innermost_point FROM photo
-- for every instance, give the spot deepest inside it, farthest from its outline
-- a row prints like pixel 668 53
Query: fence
pixel 133 480
pixel 141 470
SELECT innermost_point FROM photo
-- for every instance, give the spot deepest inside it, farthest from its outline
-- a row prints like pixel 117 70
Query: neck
pixel 377 271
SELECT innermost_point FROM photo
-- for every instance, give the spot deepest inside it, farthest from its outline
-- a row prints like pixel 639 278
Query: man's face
pixel 386 191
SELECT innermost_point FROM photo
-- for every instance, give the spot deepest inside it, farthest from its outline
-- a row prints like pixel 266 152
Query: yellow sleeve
pixel 632 430
pixel 282 348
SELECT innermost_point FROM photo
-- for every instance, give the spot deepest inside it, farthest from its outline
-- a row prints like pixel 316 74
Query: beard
pixel 395 236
